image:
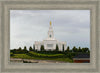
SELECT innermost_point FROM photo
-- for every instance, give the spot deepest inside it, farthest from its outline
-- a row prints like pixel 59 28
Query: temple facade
pixel 50 42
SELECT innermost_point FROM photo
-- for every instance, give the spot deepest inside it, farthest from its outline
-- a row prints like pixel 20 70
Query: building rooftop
pixel 82 55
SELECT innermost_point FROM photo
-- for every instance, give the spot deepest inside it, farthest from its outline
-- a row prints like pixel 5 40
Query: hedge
pixel 34 54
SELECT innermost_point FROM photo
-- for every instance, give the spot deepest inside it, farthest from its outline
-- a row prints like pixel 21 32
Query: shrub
pixel 11 54
pixel 46 55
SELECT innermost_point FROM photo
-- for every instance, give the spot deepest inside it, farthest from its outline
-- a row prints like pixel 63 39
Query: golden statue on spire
pixel 50 23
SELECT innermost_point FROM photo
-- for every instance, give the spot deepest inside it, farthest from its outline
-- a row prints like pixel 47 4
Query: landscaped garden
pixel 55 55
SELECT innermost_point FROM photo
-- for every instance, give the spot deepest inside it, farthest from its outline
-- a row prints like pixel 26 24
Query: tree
pixel 68 49
pixel 33 47
pixel 13 50
pixel 63 47
pixel 42 48
pixel 57 48
pixel 79 49
pixel 19 50
pixel 74 49
pixel 85 50
pixel 30 49
pixel 25 49
pixel 88 50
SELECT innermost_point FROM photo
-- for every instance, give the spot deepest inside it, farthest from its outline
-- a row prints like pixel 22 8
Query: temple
pixel 50 42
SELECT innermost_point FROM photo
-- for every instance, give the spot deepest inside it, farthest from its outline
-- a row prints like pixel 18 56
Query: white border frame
pixel 92 5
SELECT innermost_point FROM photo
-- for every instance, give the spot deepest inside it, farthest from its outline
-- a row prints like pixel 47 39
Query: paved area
pixel 34 61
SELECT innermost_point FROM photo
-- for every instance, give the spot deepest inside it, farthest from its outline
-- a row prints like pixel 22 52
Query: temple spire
pixel 50 23
pixel 50 32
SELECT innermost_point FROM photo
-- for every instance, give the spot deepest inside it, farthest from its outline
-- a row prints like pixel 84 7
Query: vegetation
pixel 57 49
pixel 34 54
pixel 63 48
pixel 64 55
pixel 42 48
pixel 30 49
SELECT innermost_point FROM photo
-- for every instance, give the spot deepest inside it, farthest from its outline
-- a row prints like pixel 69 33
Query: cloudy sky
pixel 27 26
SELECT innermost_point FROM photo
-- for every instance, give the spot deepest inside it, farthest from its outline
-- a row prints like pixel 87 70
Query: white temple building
pixel 50 43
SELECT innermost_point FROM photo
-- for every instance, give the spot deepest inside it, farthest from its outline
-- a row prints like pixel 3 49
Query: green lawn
pixel 38 56
pixel 23 56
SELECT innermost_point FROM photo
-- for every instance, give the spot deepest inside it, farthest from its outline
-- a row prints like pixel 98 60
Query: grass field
pixel 38 56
